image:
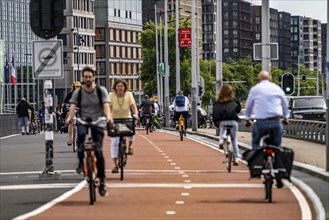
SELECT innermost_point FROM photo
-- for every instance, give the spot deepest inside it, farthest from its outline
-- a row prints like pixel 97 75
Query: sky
pixel 316 9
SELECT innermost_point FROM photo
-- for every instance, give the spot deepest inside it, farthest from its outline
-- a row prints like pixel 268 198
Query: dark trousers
pixel 97 134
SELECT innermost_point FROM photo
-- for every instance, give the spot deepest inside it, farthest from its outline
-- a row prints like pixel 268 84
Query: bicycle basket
pixel 121 127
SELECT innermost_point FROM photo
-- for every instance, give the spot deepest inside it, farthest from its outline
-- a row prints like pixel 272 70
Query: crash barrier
pixel 314 131
pixel 8 124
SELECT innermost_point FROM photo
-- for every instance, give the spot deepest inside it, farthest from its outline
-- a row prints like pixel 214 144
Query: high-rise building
pixel 17 35
pixel 237 32
pixel 208 29
pixel 118 53
pixel 312 44
pixel 284 41
pixel 78 35
pixel 256 12
pixel 297 41
pixel 324 42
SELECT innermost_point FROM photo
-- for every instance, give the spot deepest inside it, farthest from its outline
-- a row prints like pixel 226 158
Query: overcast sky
pixel 316 9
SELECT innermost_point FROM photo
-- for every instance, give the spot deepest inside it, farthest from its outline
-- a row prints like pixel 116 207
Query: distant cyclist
pixel 147 108
pixel 66 108
pixel 181 105
pixel 268 103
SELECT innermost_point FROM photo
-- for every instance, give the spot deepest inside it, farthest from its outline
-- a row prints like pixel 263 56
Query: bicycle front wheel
pixel 92 193
pixel 74 139
pixel 121 164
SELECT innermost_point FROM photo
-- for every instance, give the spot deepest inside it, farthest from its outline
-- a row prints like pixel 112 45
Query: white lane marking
pixel 177 168
pixel 185 176
pixel 38 186
pixel 52 203
pixel 170 212
pixel 182 185
pixel 173 164
pixel 34 172
pixel 169 160
pixel 303 205
pixel 317 204
pixel 184 194
pixel 179 202
pixel 166 157
pixel 187 187
pixel 187 181
pixel 9 136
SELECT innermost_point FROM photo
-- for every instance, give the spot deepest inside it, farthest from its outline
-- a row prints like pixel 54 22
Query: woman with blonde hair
pixel 225 112
pixel 122 103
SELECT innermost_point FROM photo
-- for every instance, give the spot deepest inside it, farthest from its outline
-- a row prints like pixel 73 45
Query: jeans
pixel 234 130
pixel 97 134
pixel 262 127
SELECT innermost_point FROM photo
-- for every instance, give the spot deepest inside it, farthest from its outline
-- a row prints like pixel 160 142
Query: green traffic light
pixel 288 89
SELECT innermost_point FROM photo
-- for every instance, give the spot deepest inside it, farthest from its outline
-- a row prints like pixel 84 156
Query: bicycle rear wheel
pixel 92 193
pixel 74 139
pixel 228 156
pixel 268 187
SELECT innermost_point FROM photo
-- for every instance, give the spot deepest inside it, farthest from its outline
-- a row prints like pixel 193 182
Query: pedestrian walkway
pixel 309 156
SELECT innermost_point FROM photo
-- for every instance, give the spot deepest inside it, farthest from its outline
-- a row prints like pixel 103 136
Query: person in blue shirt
pixel 181 105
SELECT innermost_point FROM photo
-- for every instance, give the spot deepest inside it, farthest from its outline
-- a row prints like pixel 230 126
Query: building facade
pixel 324 44
pixel 297 41
pixel 208 29
pixel 118 53
pixel 284 40
pixel 17 36
pixel 237 32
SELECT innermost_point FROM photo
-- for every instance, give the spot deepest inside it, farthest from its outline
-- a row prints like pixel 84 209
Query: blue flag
pixel 6 70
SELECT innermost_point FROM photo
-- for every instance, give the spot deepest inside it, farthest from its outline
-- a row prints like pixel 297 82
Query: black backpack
pixel 99 94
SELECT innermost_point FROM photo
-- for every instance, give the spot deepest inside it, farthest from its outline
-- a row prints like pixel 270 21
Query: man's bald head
pixel 263 75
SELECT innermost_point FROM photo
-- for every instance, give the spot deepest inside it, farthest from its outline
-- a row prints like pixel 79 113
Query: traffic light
pixel 304 78
pixel 288 83
pixel 200 91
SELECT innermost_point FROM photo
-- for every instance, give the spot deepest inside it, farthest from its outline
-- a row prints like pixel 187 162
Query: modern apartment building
pixel 297 41
pixel 118 53
pixel 312 44
pixel 208 29
pixel 256 12
pixel 324 40
pixel 284 40
pixel 237 32
pixel 78 35
pixel 17 36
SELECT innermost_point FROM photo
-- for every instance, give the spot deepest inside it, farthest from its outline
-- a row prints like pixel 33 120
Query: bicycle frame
pixel 181 126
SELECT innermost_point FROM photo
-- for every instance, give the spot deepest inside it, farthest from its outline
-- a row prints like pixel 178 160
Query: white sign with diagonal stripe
pixel 47 59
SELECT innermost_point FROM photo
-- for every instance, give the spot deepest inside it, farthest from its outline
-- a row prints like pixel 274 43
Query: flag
pixel 324 68
pixel 13 71
pixel 6 71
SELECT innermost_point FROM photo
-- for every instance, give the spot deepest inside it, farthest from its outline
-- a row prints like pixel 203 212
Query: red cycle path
pixel 171 179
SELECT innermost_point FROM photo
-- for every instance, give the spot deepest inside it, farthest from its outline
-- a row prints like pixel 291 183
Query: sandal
pixel 115 170
pixel 69 144
pixel 130 151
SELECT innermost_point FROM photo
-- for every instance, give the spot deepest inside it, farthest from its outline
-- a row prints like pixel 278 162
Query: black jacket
pixel 226 110
pixel 22 109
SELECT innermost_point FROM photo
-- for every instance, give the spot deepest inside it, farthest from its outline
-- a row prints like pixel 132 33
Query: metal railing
pixel 313 131
pixel 8 124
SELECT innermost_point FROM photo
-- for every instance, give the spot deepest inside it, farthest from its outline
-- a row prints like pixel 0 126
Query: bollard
pixel 49 170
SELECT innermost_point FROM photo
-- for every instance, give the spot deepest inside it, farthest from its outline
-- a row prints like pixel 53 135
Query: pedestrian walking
pixel 23 115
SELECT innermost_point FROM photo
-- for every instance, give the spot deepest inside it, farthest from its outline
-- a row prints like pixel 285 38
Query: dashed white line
pixel 170 212
pixel 179 202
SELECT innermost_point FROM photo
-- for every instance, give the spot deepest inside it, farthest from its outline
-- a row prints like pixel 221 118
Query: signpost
pixel 274 51
pixel 185 37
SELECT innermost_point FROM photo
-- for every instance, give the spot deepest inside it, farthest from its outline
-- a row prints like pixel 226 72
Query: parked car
pixel 307 107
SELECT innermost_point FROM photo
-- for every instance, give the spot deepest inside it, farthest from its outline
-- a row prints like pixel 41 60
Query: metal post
pixel 266 36
pixel 78 73
pixel 219 55
pixel 177 48
pixel 327 93
pixel 166 89
pixel 161 77
pixel 194 81
pixel 197 54
pixel 48 171
pixel 157 52
pixel 298 91
pixel 317 76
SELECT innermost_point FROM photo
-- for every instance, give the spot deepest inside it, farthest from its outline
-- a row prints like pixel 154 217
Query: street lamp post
pixel 78 40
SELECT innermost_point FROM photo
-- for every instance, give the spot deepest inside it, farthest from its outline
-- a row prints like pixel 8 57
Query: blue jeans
pixel 262 127
pixel 234 130
pixel 97 134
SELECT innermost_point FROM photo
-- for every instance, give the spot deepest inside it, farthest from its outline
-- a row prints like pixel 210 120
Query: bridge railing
pixel 314 131
pixel 8 124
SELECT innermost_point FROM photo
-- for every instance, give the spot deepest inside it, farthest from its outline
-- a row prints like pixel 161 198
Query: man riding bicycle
pixel 92 105
pixel 181 105
pixel 146 108
pixel 268 103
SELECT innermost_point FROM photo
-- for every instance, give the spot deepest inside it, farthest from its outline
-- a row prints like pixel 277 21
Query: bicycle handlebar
pixel 100 122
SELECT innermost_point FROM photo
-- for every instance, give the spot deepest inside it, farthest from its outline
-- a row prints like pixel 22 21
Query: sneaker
pixel 279 183
pixel 102 189
pixel 235 161
pixel 23 133
pixel 221 144
pixel 115 170
pixel 79 169
pixel 177 128
pixel 130 151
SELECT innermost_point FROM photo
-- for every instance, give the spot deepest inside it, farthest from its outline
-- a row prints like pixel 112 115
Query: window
pixel 100 34
pixel 100 51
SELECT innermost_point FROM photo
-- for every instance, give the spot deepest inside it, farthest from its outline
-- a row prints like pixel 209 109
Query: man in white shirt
pixel 269 104
pixel 181 105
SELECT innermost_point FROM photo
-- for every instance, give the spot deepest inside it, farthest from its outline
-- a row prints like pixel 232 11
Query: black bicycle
pixel 228 149
pixel 90 171
pixel 122 128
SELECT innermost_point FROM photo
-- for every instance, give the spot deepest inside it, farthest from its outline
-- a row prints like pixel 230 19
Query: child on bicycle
pixel 225 112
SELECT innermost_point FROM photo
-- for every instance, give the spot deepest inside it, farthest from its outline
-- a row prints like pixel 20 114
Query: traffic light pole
pixel 327 94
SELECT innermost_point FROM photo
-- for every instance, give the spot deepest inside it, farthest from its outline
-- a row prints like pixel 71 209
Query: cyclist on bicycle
pixel 225 112
pixel 122 103
pixel 181 105
pixel 90 107
pixel 269 104
pixel 66 108
pixel 146 108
